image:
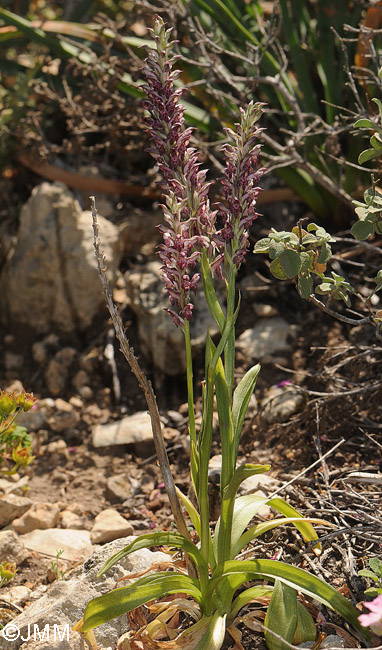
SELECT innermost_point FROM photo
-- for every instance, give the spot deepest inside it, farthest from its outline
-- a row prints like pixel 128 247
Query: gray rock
pixel 280 404
pixel 76 544
pixel 17 595
pixel 14 487
pixel 66 599
pixel 11 548
pixel 109 525
pixel 118 488
pixel 58 369
pixel 131 430
pixel 261 342
pixel 39 516
pixel 331 641
pixel 32 420
pixel 71 520
pixel 53 264
pixel 11 507
pixel 163 343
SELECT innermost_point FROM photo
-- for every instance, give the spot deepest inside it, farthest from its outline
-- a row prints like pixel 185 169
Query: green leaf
pixel 245 509
pixel 120 601
pixel 294 577
pixel 192 511
pixel 241 398
pixel 309 239
pixel 281 616
pixel 364 122
pixel 305 286
pixel 307 259
pixel 376 142
pixel 290 263
pixel 306 629
pixel 246 596
pixel 324 289
pixel 325 253
pixel 275 249
pixel 214 637
pixel 277 271
pixel 379 104
pixel 376 565
pixel 265 526
pixel 262 246
pixel 361 230
pixel 366 573
pixel 368 154
pixel 225 426
pixel 156 539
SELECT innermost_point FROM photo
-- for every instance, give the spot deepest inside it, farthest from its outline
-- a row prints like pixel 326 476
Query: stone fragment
pixel 40 516
pixel 161 342
pixel 76 544
pixel 17 595
pixel 71 520
pixel 11 548
pixel 81 378
pixel 57 447
pixel 131 430
pixel 12 507
pixel 259 481
pixel 53 264
pixel 108 526
pixel 63 420
pixel 280 404
pixel 260 343
pixel 65 601
pixel 139 230
pixel 58 370
pixel 13 361
pixel 118 488
pixel 14 487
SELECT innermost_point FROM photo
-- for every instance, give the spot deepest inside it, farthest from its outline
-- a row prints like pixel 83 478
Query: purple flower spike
pixel 190 221
pixel 239 183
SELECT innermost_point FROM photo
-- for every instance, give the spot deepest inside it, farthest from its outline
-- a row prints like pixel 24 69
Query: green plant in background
pixel 293 61
pixel 232 51
pixel 215 577
pixel 15 442
pixel 54 565
pixel 7 572
pixel 374 573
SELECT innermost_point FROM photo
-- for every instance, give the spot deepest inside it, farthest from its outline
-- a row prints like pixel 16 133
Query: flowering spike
pixel 190 222
pixel 239 183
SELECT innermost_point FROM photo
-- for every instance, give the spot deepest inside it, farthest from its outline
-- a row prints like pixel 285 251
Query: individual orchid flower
pixel 374 618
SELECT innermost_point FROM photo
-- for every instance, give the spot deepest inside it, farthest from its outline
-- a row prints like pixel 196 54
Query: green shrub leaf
pixel 290 263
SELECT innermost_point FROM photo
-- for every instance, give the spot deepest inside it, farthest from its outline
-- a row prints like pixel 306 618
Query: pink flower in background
pixel 374 619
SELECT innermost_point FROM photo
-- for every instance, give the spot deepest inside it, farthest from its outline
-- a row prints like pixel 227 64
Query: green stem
pixel 229 351
pixel 190 382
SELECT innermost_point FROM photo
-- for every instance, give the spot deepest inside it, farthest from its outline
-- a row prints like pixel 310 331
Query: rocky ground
pixel 95 479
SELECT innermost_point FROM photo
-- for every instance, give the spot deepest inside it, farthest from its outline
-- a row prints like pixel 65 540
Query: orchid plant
pixel 210 586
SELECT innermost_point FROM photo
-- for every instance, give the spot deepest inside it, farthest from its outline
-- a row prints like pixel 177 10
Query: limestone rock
pixel 53 264
pixel 12 507
pixel 163 343
pixel 11 548
pixel 109 525
pixel 66 599
pixel 280 404
pixel 71 520
pixel 39 516
pixel 118 488
pixel 260 343
pixel 14 487
pixel 17 595
pixel 131 430
pixel 76 544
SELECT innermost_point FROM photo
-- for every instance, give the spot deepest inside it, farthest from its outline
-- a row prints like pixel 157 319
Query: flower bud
pixel 7 404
